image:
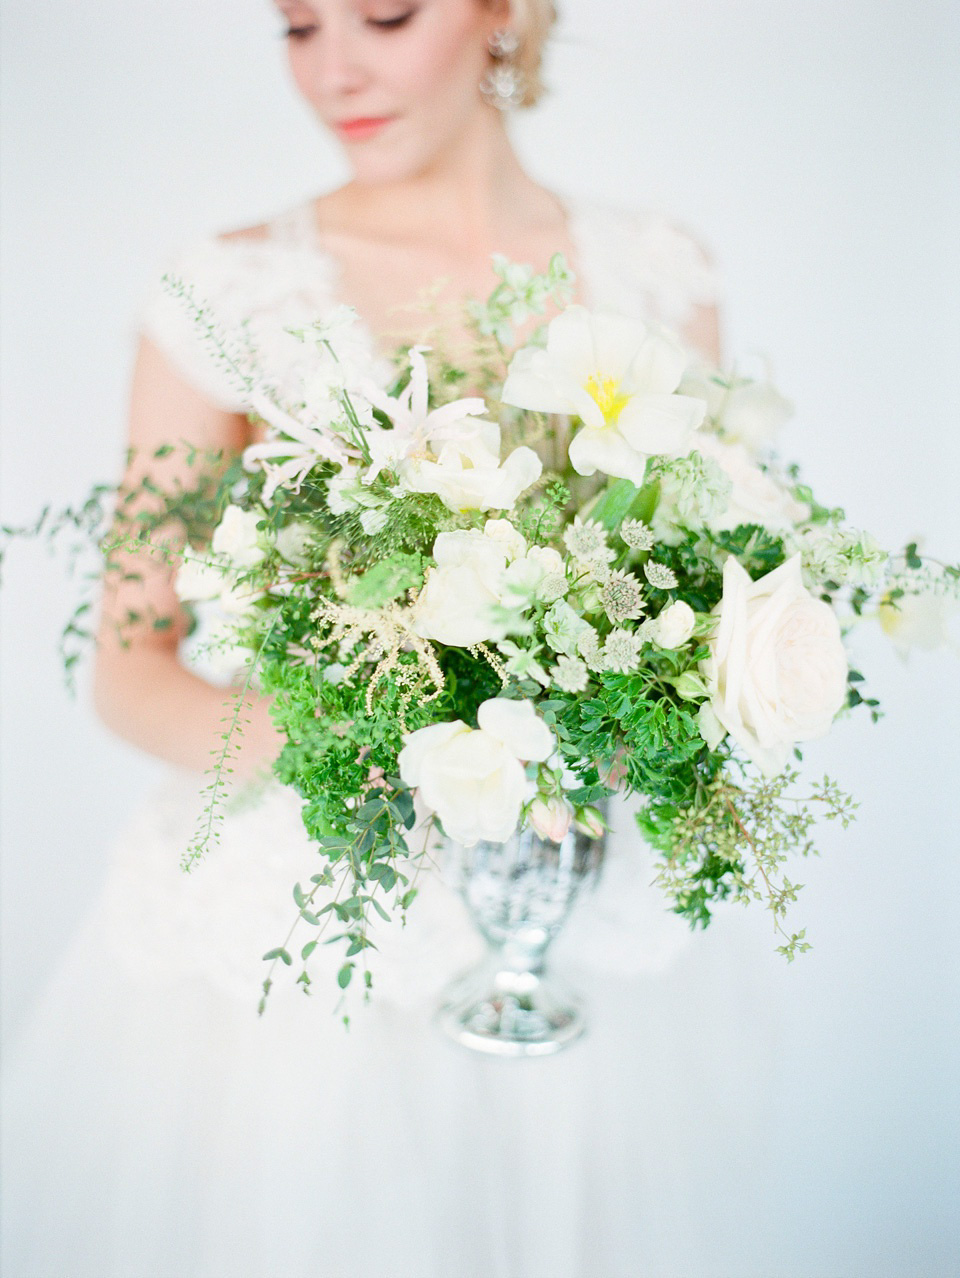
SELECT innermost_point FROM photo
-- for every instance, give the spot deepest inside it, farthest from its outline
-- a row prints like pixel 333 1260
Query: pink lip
pixel 362 126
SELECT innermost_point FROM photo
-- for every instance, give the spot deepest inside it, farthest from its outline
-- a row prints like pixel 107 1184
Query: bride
pixel 154 1125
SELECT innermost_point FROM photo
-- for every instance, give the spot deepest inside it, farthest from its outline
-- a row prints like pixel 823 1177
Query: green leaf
pixel 308 949
pixel 344 975
pixel 279 953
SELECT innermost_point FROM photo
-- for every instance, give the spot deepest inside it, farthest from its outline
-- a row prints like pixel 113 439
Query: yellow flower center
pixel 605 392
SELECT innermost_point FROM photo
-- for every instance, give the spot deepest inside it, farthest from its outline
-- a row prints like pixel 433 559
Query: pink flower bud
pixel 589 821
pixel 550 818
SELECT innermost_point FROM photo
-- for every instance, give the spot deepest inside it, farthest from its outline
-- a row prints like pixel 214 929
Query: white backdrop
pixel 814 148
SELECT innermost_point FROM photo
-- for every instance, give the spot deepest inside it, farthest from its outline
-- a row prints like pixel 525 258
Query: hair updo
pixel 532 20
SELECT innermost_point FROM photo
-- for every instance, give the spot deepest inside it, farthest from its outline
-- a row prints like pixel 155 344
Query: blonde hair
pixel 532 20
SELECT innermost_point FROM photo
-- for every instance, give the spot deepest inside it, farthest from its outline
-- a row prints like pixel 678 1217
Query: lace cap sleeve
pixel 649 264
pixel 205 267
pixel 251 288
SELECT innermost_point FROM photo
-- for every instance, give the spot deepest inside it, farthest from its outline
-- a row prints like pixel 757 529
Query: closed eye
pixel 383 24
pixel 390 23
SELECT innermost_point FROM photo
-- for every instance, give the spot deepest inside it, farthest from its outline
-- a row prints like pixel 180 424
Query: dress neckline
pixel 297 226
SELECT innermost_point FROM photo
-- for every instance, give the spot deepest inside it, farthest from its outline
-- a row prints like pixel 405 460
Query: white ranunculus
pixel 748 411
pixel 473 778
pixel 466 474
pixel 674 625
pixel 755 497
pixel 620 377
pixel 777 670
pixel 198 577
pixel 454 605
pixel 237 539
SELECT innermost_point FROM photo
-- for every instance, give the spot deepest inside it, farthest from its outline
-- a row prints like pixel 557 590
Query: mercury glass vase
pixel 519 894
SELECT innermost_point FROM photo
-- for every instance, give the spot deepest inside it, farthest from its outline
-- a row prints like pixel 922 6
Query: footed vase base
pixel 509 1013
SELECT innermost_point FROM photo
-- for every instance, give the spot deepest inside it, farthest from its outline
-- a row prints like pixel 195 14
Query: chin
pixel 407 156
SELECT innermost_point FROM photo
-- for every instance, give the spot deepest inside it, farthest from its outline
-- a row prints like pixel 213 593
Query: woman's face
pixel 414 63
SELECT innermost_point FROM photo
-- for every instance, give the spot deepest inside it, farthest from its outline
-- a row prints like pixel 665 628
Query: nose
pixel 338 59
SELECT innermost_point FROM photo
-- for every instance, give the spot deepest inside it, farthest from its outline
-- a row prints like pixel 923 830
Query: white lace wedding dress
pixel 155 1127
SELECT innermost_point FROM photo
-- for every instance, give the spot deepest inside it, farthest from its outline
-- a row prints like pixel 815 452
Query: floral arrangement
pixel 478 611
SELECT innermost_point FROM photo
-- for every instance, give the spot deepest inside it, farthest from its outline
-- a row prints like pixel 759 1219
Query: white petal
pixel 436 735
pixel 518 726
pixel 661 423
pixel 606 450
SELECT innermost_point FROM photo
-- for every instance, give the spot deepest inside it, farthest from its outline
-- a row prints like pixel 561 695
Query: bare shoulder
pixel 250 234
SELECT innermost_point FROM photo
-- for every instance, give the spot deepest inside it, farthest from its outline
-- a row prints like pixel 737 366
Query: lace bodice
pixel 638 262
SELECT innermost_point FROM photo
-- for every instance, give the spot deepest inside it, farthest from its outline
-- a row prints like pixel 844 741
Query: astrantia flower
pixel 588 646
pixel 587 541
pixel 637 535
pixel 660 576
pixel 570 674
pixel 621 596
pixel 621 650
pixel 619 377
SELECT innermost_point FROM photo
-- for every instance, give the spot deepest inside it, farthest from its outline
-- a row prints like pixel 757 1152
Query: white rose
pixel 777 670
pixel 674 626
pixel 198 578
pixel 755 497
pixel 474 779
pixel 237 539
pixel 454 605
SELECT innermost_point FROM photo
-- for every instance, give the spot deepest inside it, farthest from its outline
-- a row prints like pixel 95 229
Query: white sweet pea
pixel 755 497
pixel 748 411
pixel 466 474
pixel 236 537
pixel 454 605
pixel 619 377
pixel 674 625
pixel 474 779
pixel 777 670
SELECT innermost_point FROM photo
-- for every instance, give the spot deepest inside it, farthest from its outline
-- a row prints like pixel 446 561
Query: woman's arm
pixel 141 691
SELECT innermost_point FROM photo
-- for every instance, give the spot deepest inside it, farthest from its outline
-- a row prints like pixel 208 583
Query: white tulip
pixel 777 670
